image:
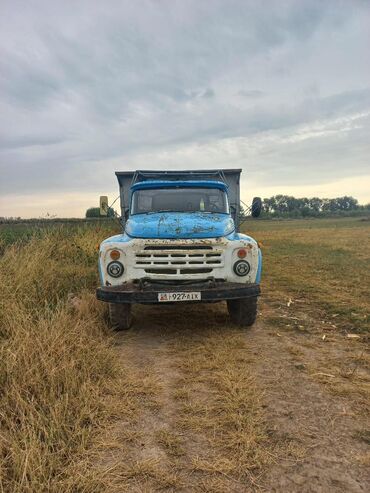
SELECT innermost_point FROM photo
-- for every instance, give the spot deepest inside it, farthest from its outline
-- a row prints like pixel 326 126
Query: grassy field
pixel 13 232
pixel 324 262
pixel 183 401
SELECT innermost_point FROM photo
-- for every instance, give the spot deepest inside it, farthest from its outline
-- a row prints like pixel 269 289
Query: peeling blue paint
pixel 179 225
pixel 259 269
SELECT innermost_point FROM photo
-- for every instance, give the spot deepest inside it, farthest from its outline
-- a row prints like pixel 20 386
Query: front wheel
pixel 120 317
pixel 243 312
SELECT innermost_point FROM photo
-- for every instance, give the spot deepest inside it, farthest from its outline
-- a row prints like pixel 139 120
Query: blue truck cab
pixel 180 243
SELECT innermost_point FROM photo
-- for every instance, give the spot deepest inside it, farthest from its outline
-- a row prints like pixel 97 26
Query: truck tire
pixel 120 317
pixel 243 312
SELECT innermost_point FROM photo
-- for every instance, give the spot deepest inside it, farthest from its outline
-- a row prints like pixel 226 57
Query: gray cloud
pixel 88 88
pixel 251 93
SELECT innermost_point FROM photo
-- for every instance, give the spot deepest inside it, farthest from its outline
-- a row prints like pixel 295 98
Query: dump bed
pixel 230 176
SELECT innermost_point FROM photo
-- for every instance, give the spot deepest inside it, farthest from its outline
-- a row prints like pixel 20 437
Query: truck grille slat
pixel 161 271
pixel 174 271
pixel 178 247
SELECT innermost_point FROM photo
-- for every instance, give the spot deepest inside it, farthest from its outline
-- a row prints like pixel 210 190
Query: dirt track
pixel 222 409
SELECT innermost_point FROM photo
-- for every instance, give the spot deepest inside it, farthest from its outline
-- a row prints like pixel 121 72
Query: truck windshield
pixel 181 199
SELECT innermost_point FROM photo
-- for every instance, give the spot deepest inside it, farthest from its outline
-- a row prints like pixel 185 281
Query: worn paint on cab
pixel 179 225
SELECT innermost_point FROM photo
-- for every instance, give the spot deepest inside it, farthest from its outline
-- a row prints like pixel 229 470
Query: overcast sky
pixel 280 89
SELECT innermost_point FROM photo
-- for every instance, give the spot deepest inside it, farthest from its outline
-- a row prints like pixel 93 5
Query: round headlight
pixel 115 269
pixel 242 268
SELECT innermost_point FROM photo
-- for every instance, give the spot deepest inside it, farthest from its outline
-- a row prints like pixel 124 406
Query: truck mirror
pixel 103 205
pixel 256 206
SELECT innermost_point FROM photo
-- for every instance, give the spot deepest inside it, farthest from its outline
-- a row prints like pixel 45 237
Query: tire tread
pixel 243 312
pixel 120 317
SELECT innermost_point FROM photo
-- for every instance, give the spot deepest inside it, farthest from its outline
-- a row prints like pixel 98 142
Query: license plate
pixel 180 296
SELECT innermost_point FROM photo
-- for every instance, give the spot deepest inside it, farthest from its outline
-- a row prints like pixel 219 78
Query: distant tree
pixel 340 204
pixel 95 212
pixel 315 204
pixel 347 203
pixel 267 205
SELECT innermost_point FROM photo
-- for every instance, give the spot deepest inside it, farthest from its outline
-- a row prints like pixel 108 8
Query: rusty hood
pixel 179 225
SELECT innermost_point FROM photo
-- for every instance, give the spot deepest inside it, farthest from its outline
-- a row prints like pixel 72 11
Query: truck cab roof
pixel 150 184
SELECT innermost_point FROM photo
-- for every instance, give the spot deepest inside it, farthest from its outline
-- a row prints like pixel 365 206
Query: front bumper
pixel 148 292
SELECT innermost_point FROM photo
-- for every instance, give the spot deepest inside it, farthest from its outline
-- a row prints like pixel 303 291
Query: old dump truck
pixel 180 244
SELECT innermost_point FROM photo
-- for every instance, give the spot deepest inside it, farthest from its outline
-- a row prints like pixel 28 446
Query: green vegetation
pixel 95 212
pixel 287 206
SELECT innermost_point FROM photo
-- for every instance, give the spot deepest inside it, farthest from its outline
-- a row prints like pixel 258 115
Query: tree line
pixel 288 206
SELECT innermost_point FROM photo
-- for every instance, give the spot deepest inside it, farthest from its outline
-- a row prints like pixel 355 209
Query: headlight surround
pixel 115 269
pixel 242 268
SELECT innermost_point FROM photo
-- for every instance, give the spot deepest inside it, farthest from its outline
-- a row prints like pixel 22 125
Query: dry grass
pixel 220 410
pixel 63 385
pixel 171 442
pixel 317 283
pixel 75 410
pixel 56 363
